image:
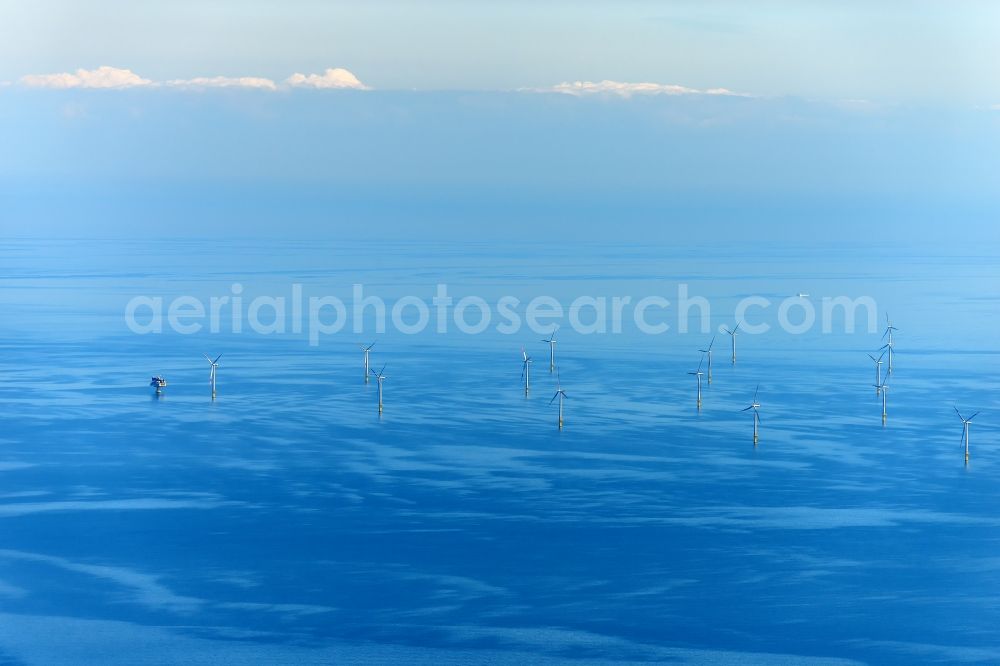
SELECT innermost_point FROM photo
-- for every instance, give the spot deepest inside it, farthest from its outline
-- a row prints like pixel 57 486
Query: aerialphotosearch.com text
pixel 365 312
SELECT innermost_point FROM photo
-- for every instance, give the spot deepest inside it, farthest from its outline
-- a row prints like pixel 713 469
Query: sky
pixel 895 50
pixel 449 118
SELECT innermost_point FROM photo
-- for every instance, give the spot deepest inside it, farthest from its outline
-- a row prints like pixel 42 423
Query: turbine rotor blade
pixel 959 414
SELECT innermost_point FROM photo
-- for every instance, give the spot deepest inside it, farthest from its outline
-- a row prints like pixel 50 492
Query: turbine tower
pixel 551 340
pixel 561 395
pixel 380 377
pixel 367 368
pixel 883 387
pixel 965 431
pixel 698 373
pixel 889 328
pixel 526 371
pixel 732 334
pixel 709 352
pixel 754 405
pixel 212 371
pixel 878 371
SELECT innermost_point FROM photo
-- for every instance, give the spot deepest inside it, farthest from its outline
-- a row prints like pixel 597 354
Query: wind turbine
pixel 732 334
pixel 878 371
pixel 698 373
pixel 883 387
pixel 889 328
pixel 158 382
pixel 211 373
pixel 367 368
pixel 380 377
pixel 552 349
pixel 709 352
pixel 561 395
pixel 526 371
pixel 965 431
pixel 756 415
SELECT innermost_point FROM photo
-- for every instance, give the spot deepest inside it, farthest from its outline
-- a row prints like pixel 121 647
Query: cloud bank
pixel 334 78
pixel 102 77
pixel 117 78
pixel 223 82
pixel 331 78
pixel 625 89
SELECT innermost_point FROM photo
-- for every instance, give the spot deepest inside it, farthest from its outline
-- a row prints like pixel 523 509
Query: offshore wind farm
pixel 464 468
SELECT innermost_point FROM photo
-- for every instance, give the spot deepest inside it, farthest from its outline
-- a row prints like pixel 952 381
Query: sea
pixel 288 521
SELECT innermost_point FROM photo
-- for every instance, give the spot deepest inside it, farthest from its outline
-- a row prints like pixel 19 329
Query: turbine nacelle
pixel 965 420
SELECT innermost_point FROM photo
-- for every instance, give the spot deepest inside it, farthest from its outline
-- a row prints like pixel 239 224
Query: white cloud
pixel 331 78
pixel 725 91
pixel 102 77
pixel 223 82
pixel 625 89
pixel 114 77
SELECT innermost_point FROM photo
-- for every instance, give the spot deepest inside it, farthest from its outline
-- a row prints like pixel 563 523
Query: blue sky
pixel 884 51
pixel 453 118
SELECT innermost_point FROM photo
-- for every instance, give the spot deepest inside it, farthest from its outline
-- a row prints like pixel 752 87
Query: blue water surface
pixel 288 522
